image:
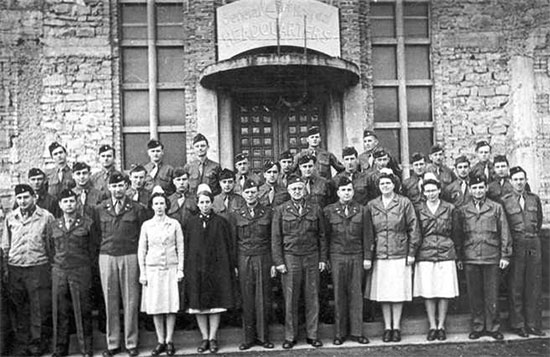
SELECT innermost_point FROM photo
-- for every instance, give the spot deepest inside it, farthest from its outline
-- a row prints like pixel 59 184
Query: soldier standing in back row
pixel 458 192
pixel 360 179
pixel 37 180
pixel 324 160
pixel 202 169
pixel 158 173
pixel 484 165
pixel 501 186
pixel 271 193
pixel 524 213
pixel 243 172
pixel 60 177
pixel 443 173
pixel 285 161
pixel 100 179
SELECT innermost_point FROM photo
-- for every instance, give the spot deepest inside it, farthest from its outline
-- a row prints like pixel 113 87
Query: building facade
pixel 252 75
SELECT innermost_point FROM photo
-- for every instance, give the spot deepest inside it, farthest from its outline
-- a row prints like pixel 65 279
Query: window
pixel 402 76
pixel 153 73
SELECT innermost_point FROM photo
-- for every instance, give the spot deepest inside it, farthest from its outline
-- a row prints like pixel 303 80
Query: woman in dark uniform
pixel 209 268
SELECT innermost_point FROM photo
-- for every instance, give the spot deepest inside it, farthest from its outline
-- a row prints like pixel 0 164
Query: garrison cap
pixel 241 157
pixel 66 193
pixel 461 159
pixel 344 181
pixel 348 151
pixel 417 157
pixel 79 166
pixel 368 132
pixel 475 179
pixel 55 145
pixel 36 172
pixel 268 164
pixel 226 174
pixel 248 183
pixel 436 148
pixel 295 179
pixel 22 188
pixel 104 148
pixel 304 159
pixel 501 158
pixel 198 138
pixel 116 178
pixel 137 168
pixel 286 155
pixel 180 171
pixel 379 153
pixel 514 170
pixel 482 143
pixel 153 144
pixel 313 130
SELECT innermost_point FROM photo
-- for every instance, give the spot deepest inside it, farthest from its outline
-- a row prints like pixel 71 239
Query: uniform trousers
pixel 303 272
pixel 347 277
pixel 524 288
pixel 30 295
pixel 482 281
pixel 120 281
pixel 72 286
pixel 255 282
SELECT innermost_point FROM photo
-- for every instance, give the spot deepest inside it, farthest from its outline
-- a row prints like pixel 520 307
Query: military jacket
pixel 321 191
pixel 479 169
pixel 163 178
pixel 280 195
pixel 325 160
pixel 360 182
pixel 412 190
pixel 524 223
pixel 100 180
pixel 253 234
pixel 453 193
pixel 234 202
pixel 55 186
pixel 499 188
pixel 444 174
pixel 209 176
pixel 252 176
pixel 182 213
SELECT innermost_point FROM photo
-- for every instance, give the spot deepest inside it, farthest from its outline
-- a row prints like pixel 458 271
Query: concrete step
pixel 413 331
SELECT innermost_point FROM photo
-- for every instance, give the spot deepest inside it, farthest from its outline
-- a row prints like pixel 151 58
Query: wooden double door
pixel 266 125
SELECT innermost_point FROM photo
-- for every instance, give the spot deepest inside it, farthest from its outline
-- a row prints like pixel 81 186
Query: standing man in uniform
pixel 349 233
pixel 27 255
pixel 458 192
pixel 487 247
pixel 484 165
pixel 227 201
pixel 443 173
pixel 37 180
pixel 299 250
pixel 318 189
pixel 271 193
pixel 359 179
pixel 501 186
pixel 412 187
pixel 324 160
pixel 371 144
pixel 74 242
pixel 121 221
pixel 59 177
pixel 100 179
pixel 87 196
pixel 285 160
pixel 380 165
pixel 182 203
pixel 202 169
pixel 158 173
pixel 242 166
pixel 137 190
pixel 252 225
pixel 524 213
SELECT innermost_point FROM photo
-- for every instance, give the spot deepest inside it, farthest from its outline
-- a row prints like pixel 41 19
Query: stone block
pixel 498 129
pixel 502 89
pixel 85 32
pixel 486 91
pixel 463 92
pixel 75 97
pixel 54 80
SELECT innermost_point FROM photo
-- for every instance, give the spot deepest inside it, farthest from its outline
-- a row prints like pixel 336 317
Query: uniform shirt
pixel 479 169
pixel 55 186
pixel 238 180
pixel 76 246
pixel 321 190
pixel 440 231
pixel 412 190
pixel 182 213
pixel 232 200
pixel 396 229
pixel 526 222
pixel 360 182
pixel 252 234
pixel 143 195
pixel 486 234
pixel 366 161
pixel 25 240
pixel 93 198
pixel 280 195
pixel 161 244
pixel 499 188
pixel 351 233
pixel 325 160
pixel 298 233
pixel 453 193
pixel 209 176
pixel 444 174
pixel 163 177
pixel 100 179
pixel 120 233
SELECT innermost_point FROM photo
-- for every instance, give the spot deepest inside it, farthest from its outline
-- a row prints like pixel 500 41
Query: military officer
pixel 27 254
pixel 37 180
pixel 524 213
pixel 87 196
pixel 100 179
pixel 59 177
pixel 349 233
pixel 243 172
pixel 202 169
pixel 227 201
pixel 412 187
pixel 285 161
pixel 74 242
pixel 371 144
pixel 501 186
pixel 271 193
pixel 299 250
pixel 380 165
pixel 324 160
pixel 252 225
pixel 443 173
pixel 158 173
pixel 318 189
pixel 458 191
pixel 359 179
pixel 484 165
pixel 487 247
pixel 137 191
pixel 182 203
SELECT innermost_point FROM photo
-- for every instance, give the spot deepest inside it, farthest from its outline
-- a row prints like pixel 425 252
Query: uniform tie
pixel 371 160
pixel 271 194
pixel 154 171
pixel 135 196
pixel 463 187
pixel 251 210
pixel 201 171
pixel 346 210
pixel 118 207
pixel 308 186
pixel 522 202
pixel 486 171
pixel 83 197
pixel 60 174
pixel 68 223
pixel 181 200
pixel 226 201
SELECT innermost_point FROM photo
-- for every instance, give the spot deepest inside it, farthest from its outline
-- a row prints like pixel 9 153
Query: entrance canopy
pixel 291 71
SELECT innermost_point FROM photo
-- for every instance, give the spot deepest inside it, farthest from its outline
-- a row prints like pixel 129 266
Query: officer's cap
pixel 286 155
pixel 79 166
pixel 368 132
pixel 461 159
pixel 348 151
pixel 268 165
pixel 241 157
pixel 436 148
pixel 22 188
pixel 379 153
pixel 226 174
pixel 304 159
pixel 501 158
pixel 153 144
pixel 313 130
pixel 514 170
pixel 482 143
pixel 116 178
pixel 104 148
pixel 198 138
pixel 55 145
pixel 35 172
pixel 66 193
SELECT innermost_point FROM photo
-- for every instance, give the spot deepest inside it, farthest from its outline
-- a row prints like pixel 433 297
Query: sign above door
pixel 250 24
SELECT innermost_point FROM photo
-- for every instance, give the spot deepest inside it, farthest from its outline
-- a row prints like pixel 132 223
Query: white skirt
pixel 435 279
pixel 389 281
pixel 161 294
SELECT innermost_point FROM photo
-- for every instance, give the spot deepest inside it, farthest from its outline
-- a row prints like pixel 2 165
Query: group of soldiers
pixel 71 238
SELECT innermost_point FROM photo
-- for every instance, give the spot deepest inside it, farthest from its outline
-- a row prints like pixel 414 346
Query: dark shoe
pixel 265 344
pixel 496 335
pixel 170 349
pixel 396 336
pixel 60 353
pixel 520 331
pixel 88 354
pixel 386 337
pixel 314 342
pixel 203 346
pixel 474 335
pixel 35 349
pixel 441 334
pixel 288 344
pixel 246 346
pixel 133 352
pixel 535 331
pixel 359 339
pixel 337 341
pixel 431 334
pixel 161 347
pixel 214 346
pixel 111 353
